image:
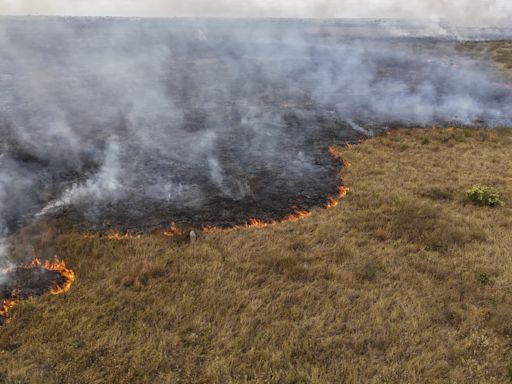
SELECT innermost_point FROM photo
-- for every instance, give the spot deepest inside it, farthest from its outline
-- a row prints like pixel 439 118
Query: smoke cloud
pixel 125 120
pixel 466 12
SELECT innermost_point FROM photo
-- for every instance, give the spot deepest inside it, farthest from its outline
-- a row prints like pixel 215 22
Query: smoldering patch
pixel 140 123
pixel 34 279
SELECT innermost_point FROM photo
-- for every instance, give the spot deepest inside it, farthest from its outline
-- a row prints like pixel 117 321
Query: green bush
pixel 484 195
pixel 484 278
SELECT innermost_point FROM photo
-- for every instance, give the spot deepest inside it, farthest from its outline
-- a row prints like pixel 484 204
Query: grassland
pixel 499 52
pixel 402 282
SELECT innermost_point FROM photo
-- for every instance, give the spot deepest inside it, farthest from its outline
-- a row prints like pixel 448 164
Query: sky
pixel 475 12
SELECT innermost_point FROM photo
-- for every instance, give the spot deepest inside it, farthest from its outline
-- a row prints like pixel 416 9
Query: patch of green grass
pixel 484 195
pixel 484 278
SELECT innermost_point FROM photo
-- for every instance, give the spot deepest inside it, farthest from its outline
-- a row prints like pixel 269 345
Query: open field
pixel 401 282
pixel 499 51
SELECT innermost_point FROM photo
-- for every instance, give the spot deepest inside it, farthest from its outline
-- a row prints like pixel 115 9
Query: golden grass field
pixel 402 282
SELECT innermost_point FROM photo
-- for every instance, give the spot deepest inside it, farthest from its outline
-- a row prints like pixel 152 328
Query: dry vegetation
pixel 498 51
pixel 400 283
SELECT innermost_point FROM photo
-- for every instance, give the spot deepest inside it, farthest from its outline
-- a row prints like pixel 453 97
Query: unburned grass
pixel 499 51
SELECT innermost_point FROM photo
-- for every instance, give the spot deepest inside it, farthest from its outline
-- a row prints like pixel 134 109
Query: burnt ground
pixel 23 283
pixel 28 282
pixel 302 176
pixel 140 123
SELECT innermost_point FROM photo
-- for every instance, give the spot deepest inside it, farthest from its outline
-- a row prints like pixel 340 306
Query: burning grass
pixel 401 282
pixel 36 278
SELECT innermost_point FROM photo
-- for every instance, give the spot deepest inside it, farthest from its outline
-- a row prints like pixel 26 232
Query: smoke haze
pixel 466 12
pixel 134 123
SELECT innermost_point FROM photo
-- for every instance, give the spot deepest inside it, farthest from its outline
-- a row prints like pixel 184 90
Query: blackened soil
pixel 22 283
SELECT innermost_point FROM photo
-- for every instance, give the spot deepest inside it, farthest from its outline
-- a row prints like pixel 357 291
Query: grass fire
pixel 284 198
pixel 36 278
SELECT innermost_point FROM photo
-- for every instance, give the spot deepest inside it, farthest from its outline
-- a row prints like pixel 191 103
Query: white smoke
pixel 132 76
pixel 466 12
pixel 105 184
pixel 159 106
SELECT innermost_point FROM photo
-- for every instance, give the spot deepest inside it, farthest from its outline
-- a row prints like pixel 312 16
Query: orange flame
pixel 256 223
pixel 6 307
pixel 252 223
pixel 336 155
pixel 67 274
pixel 342 191
pixel 297 215
pixel 331 203
pixel 208 229
pixel 111 236
pixel 173 230
pixel 117 236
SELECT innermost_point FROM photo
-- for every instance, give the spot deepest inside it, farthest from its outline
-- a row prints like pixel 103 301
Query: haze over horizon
pixel 466 12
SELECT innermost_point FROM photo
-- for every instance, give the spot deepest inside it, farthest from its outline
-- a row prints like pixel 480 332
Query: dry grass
pixel 499 51
pixel 400 283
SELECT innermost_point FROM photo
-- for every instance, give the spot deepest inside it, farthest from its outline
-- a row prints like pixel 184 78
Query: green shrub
pixel 484 195
pixel 484 278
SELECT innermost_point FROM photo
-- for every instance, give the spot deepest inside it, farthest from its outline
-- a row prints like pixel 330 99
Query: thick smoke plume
pixel 128 119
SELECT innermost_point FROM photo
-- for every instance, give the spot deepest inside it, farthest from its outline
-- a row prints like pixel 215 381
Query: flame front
pixel 342 191
pixel 116 236
pixel 331 203
pixel 6 306
pixel 255 223
pixel 67 274
pixel 297 215
pixel 336 155
pixel 252 223
pixel 173 230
